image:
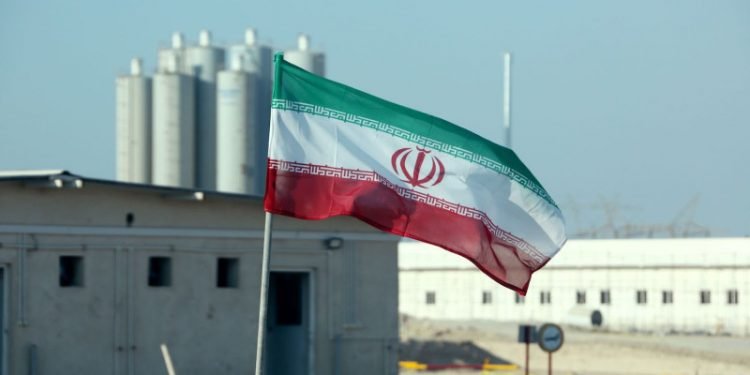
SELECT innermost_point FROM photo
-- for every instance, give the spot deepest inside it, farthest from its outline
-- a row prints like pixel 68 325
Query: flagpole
pixel 263 304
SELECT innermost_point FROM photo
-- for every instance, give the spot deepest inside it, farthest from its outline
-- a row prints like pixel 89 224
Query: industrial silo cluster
pixel 202 120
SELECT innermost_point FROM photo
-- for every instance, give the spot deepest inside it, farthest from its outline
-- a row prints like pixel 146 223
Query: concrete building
pixel 95 275
pixel 690 285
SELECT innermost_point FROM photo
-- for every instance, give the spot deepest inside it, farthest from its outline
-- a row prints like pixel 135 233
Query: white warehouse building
pixel 687 285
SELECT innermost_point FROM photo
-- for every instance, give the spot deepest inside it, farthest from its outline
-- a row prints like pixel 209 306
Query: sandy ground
pixel 584 352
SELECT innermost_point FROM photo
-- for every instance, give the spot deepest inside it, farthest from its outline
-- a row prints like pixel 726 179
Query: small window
pixel 733 297
pixel 159 271
pixel 486 297
pixel 666 297
pixel 227 273
pixel 430 298
pixel 641 297
pixel 545 297
pixel 581 297
pixel 71 271
pixel 520 300
pixel 604 297
pixel 705 297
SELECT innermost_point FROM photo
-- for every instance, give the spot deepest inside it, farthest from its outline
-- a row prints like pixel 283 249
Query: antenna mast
pixel 506 99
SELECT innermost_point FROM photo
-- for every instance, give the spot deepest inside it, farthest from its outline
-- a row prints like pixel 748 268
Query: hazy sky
pixel 642 103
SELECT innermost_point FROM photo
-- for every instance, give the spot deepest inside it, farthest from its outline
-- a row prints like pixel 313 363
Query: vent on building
pixel 71 271
pixel 641 297
pixel 159 271
pixel 545 297
pixel 486 297
pixel 430 298
pixel 666 297
pixel 581 297
pixel 227 273
pixel 733 297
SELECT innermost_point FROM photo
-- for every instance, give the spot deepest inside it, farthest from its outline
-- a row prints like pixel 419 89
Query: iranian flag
pixel 335 150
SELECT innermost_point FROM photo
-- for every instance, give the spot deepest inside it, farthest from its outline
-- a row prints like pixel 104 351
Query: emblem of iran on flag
pixel 335 150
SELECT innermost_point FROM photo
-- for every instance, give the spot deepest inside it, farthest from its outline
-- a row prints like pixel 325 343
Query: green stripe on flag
pixel 302 91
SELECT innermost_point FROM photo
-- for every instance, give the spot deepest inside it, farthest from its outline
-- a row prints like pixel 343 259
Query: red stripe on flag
pixel 316 197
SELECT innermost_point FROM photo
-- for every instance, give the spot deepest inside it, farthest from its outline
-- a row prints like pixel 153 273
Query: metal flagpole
pixel 263 304
pixel 506 99
pixel 262 308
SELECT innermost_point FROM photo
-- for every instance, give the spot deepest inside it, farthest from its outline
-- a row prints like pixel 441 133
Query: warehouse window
pixel 733 297
pixel 430 298
pixel 705 297
pixel 159 271
pixel 520 300
pixel 227 273
pixel 666 297
pixel 641 297
pixel 486 297
pixel 71 271
pixel 604 297
pixel 581 297
pixel 545 297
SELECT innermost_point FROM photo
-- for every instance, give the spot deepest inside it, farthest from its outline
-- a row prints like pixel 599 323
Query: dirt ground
pixel 583 353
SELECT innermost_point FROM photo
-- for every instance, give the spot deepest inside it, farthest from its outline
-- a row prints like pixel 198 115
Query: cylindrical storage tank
pixel 583 317
pixel 173 58
pixel 305 58
pixel 253 57
pixel 173 149
pixel 133 116
pixel 204 61
pixel 237 168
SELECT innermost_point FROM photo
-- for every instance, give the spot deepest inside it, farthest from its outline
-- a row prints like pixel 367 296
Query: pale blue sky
pixel 642 102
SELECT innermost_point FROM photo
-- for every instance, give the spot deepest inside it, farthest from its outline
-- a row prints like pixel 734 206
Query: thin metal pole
pixel 526 368
pixel 506 99
pixel 263 305
pixel 549 364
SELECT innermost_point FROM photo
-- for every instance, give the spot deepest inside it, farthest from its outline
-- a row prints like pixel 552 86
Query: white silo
pixel 173 55
pixel 133 116
pixel 173 150
pixel 256 58
pixel 203 62
pixel 305 58
pixel 254 63
pixel 237 169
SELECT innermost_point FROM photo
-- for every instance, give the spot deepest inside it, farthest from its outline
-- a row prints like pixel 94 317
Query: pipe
pixel 115 333
pixel 22 280
pixel 129 295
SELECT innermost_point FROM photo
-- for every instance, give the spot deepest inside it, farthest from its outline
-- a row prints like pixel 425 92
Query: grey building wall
pixel 116 322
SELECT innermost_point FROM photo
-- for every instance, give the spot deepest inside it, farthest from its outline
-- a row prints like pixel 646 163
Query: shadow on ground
pixel 445 352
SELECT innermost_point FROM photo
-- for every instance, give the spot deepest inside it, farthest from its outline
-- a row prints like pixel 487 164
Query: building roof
pixel 606 253
pixel 60 178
